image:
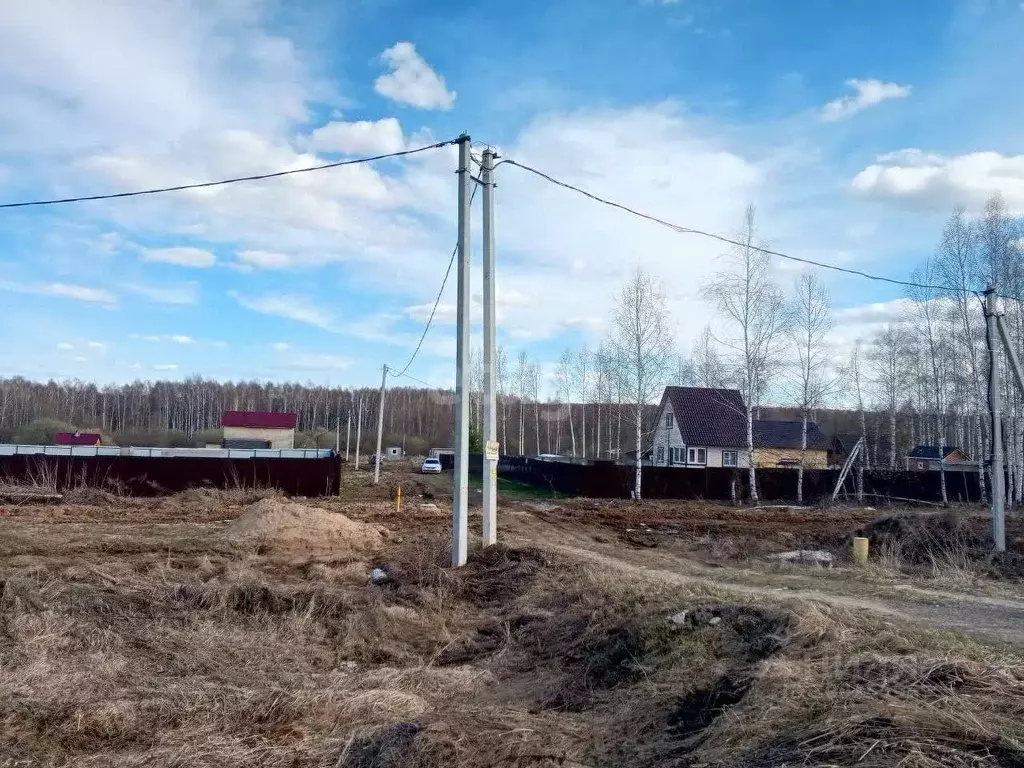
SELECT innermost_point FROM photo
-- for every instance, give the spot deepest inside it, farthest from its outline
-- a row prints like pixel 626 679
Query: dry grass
pixel 139 634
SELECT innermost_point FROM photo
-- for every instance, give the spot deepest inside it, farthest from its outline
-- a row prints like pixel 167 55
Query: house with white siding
pixel 701 427
pixel 706 427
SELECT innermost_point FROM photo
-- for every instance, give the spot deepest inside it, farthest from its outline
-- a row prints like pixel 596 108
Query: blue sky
pixel 853 127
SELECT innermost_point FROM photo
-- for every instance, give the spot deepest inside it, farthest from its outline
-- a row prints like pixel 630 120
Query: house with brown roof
pixel 706 427
pixel 935 458
pixel 258 429
pixel 701 427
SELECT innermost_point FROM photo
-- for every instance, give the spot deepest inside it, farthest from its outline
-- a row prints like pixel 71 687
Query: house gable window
pixel 661 454
pixel 729 458
pixel 677 455
pixel 668 421
pixel 696 456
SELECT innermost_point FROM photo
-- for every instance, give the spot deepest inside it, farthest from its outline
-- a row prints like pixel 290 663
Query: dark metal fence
pixel 605 479
pixel 146 476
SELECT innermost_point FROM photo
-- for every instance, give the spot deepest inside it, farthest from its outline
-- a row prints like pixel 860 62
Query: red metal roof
pixel 76 438
pixel 259 419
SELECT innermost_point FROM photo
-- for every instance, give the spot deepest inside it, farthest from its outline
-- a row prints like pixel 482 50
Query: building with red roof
pixel 272 429
pixel 76 438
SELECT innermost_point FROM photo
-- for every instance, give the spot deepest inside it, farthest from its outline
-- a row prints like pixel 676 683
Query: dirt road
pixel 991 619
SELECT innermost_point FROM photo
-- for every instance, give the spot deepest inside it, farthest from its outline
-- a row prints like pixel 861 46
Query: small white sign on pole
pixel 491 450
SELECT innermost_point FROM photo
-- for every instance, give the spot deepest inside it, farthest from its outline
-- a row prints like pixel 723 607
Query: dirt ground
pixel 239 628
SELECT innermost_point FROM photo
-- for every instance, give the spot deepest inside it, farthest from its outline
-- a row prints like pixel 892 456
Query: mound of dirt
pixel 499 574
pixel 281 525
pixel 922 537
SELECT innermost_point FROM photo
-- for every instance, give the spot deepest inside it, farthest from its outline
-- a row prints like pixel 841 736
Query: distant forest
pixel 187 413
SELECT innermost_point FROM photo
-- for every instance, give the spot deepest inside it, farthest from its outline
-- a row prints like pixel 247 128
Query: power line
pixel 413 378
pixel 721 238
pixel 235 180
pixel 437 301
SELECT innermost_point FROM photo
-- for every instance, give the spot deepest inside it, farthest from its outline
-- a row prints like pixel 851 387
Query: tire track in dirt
pixel 986 618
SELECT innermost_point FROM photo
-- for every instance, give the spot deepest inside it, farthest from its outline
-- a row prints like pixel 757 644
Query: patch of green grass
pixel 514 489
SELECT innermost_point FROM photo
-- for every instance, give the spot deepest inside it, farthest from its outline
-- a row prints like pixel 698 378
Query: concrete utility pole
pixel 1018 375
pixel 460 493
pixel 348 433
pixel 490 474
pixel 992 312
pixel 380 425
pixel 359 430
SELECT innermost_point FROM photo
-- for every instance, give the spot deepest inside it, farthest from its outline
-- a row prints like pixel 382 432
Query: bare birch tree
pixel 535 392
pixel 924 314
pixel 643 347
pixel 522 387
pixel 582 375
pixel 811 315
pixel 957 262
pixel 755 310
pixel 503 382
pixel 564 379
pixel 609 382
pixel 890 365
pixel 999 236
pixel 706 362
pixel 856 379
pixel 600 392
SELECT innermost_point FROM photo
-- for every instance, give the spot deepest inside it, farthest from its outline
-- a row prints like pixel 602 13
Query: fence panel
pixel 604 479
pixel 156 476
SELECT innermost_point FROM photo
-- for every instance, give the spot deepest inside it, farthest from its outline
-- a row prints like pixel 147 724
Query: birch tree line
pixel 581 416
pixel 920 378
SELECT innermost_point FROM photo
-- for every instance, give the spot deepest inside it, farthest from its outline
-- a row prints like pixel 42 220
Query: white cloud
pixel 79 292
pixel 183 256
pixel 411 80
pixel 62 290
pixel 874 314
pixel 314 361
pixel 180 67
pixel 166 367
pixel 292 307
pixel 170 293
pixel 563 256
pixel 95 345
pixel 267 260
pixel 173 338
pixel 868 93
pixel 366 137
pixel 281 346
pixel 65 346
pixel 935 181
pixel 353 213
pixel 80 359
pixel 421 312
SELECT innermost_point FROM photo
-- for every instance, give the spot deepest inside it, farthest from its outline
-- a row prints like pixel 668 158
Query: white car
pixel 431 466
